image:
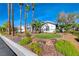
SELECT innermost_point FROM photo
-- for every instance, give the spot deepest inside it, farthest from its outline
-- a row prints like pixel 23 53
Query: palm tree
pixel 37 24
pixel 33 27
pixel 20 4
pixel 9 24
pixel 27 8
pixel 12 19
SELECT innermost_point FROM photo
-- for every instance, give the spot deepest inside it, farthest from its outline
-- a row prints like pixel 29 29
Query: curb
pixel 18 49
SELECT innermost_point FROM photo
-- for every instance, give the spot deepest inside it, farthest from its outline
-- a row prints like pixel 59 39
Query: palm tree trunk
pixel 9 24
pixel 12 19
pixel 25 22
pixel 20 19
pixel 33 16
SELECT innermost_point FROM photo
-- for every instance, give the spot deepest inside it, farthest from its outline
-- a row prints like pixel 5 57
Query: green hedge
pixel 66 48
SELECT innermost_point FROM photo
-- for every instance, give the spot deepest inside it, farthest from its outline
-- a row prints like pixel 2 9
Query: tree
pixel 61 18
pixel 12 19
pixel 4 27
pixel 20 4
pixel 27 8
pixel 33 27
pixel 9 24
pixel 67 18
pixel 70 18
pixel 67 21
pixel 37 25
pixel 76 26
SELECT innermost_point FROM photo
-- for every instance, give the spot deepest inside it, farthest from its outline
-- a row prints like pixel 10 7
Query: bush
pixel 66 48
pixel 57 30
pixel 36 48
pixel 25 41
pixel 76 33
pixel 17 34
pixel 28 34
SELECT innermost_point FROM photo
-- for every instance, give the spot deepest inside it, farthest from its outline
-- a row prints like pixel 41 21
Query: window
pixel 47 28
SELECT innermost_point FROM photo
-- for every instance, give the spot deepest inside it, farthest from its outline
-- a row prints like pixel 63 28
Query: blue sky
pixel 43 12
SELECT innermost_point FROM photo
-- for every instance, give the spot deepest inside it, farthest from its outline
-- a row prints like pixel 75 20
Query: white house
pixel 29 28
pixel 48 27
pixel 22 29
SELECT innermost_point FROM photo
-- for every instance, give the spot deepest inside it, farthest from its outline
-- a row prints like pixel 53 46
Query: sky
pixel 43 12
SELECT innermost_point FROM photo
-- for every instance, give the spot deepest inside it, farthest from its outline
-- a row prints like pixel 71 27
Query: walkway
pixel 5 50
pixel 50 51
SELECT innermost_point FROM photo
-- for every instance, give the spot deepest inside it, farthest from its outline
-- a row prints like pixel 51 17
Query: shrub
pixel 25 41
pixel 66 48
pixel 36 48
pixel 76 33
pixel 17 34
pixel 28 34
pixel 57 30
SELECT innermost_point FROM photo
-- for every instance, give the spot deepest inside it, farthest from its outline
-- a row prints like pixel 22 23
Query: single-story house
pixel 48 27
pixel 29 28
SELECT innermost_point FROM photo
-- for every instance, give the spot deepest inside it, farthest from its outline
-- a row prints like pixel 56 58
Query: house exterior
pixel 22 29
pixel 48 27
pixel 29 28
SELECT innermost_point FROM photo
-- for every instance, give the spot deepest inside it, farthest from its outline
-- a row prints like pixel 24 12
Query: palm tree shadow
pixel 77 39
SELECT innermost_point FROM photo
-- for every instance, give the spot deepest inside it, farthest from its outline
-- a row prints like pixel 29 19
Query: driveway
pixel 5 50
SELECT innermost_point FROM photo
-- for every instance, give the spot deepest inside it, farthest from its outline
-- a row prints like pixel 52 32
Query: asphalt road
pixel 5 50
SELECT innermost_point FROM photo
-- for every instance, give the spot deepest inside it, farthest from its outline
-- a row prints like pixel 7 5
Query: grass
pixel 47 36
pixel 66 48
pixel 35 48
pixel 76 33
pixel 25 41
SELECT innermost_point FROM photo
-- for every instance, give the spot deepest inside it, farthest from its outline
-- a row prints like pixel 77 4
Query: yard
pixel 44 43
pixel 43 37
pixel 47 36
pixel 66 48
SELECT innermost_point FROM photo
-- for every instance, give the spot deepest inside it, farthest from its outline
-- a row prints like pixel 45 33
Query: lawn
pixel 66 48
pixel 47 36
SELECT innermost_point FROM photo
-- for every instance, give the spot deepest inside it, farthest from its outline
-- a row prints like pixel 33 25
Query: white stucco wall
pixel 29 28
pixel 52 28
pixel 22 29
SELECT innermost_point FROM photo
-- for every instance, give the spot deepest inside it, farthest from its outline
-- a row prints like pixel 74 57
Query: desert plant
pixel 28 34
pixel 66 48
pixel 17 34
pixel 36 48
pixel 25 41
pixel 37 25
